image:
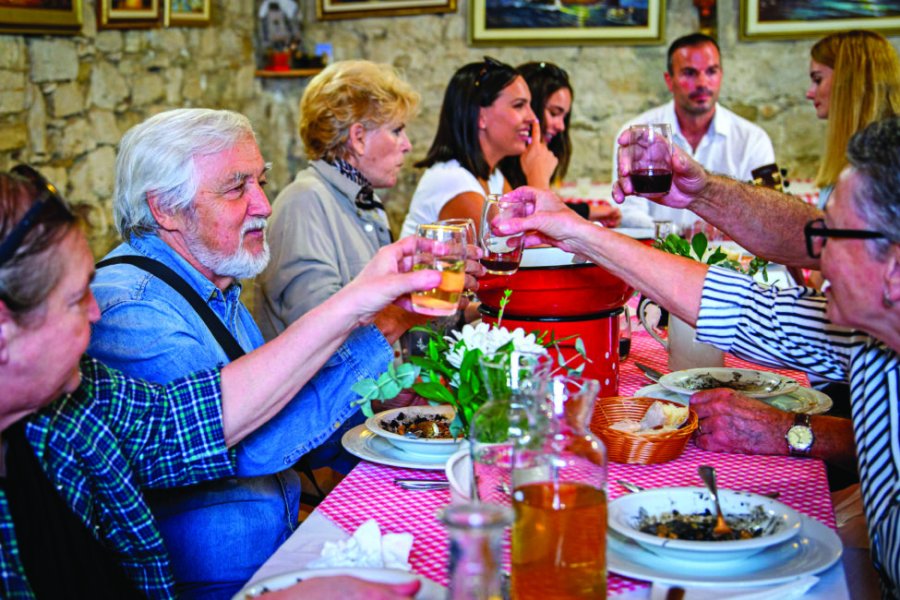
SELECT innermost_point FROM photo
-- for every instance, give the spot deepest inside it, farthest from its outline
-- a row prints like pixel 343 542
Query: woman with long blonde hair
pixel 855 81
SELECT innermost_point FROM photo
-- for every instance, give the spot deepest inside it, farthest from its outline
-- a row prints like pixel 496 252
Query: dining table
pixel 369 492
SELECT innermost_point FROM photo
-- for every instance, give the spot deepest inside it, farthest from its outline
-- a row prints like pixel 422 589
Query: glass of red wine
pixel 501 253
pixel 651 158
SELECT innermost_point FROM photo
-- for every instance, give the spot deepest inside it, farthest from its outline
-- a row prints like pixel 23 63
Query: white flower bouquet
pixel 449 371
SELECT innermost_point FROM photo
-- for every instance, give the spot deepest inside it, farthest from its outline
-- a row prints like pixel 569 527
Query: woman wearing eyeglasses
pixel 551 100
pixel 79 441
pixel 851 333
pixel 485 117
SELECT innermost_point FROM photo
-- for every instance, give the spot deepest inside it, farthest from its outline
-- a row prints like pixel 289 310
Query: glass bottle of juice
pixel 476 535
pixel 559 497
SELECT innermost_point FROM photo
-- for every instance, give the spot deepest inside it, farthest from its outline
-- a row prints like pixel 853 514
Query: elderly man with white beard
pixel 191 210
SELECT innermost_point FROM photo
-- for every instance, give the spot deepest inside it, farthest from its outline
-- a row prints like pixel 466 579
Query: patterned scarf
pixel 365 199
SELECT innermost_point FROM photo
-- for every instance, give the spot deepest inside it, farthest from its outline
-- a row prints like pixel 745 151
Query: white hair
pixel 157 156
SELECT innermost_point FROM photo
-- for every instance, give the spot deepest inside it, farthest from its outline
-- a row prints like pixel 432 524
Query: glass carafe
pixel 476 535
pixel 514 383
pixel 559 497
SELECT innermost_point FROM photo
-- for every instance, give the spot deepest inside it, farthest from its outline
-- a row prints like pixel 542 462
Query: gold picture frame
pixel 129 14
pixel 564 23
pixel 764 19
pixel 187 13
pixel 36 18
pixel 356 9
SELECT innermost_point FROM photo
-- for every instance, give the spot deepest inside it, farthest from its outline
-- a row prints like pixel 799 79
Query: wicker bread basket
pixel 623 447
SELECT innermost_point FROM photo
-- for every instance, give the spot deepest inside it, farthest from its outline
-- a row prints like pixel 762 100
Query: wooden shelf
pixel 286 74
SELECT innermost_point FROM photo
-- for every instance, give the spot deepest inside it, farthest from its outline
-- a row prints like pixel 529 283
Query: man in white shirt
pixel 721 141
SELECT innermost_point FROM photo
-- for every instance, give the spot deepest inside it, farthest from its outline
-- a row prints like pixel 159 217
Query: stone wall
pixel 66 101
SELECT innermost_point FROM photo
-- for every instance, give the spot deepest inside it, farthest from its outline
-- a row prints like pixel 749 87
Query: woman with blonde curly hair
pixel 328 223
pixel 855 81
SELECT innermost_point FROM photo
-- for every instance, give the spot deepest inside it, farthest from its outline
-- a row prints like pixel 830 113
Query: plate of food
pixel 756 384
pixel 678 523
pixel 813 550
pixel 801 400
pixel 417 430
pixel 361 442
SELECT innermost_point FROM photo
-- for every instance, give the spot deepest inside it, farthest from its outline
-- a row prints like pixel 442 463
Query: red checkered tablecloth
pixel 369 490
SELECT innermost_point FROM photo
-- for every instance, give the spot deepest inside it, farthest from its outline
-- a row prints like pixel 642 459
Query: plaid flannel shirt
pixel 102 444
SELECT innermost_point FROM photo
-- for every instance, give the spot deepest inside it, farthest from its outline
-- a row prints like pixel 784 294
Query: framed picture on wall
pixel 129 14
pixel 50 16
pixel 769 19
pixel 191 13
pixel 566 22
pixel 355 9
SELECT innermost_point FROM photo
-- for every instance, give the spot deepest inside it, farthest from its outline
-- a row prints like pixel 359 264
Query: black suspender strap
pixel 216 327
pixel 177 283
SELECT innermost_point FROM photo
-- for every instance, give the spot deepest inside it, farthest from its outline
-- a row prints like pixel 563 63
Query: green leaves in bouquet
pixel 387 386
pixel 697 248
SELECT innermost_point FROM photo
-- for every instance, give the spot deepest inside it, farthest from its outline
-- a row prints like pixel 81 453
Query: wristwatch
pixel 800 436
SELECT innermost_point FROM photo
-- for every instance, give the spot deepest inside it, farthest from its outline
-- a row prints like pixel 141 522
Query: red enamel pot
pixel 550 284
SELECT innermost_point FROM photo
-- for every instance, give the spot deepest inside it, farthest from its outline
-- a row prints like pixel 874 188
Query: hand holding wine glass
pixel 650 153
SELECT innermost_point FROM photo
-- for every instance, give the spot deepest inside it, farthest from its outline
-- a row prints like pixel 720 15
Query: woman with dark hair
pixel 551 101
pixel 485 117
pixel 80 442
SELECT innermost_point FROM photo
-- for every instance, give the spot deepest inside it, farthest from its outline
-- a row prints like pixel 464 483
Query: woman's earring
pixel 886 300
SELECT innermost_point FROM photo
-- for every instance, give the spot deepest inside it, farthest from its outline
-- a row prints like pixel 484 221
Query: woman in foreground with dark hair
pixel 485 117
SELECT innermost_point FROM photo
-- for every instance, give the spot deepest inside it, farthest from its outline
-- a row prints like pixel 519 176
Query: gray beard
pixel 240 265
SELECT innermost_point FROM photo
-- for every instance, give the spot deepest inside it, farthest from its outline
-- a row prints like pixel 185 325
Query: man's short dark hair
pixel 689 41
pixel 875 154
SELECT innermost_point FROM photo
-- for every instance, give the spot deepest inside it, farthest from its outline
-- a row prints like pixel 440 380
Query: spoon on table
pixel 708 475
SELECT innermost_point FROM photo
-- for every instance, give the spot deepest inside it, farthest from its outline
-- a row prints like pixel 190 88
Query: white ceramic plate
pixel 756 384
pixel 814 550
pixel 414 446
pixel 802 400
pixel 429 590
pixel 626 512
pixel 361 442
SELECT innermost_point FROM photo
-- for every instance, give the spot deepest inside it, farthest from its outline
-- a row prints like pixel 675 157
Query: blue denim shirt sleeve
pixel 319 408
pixel 148 331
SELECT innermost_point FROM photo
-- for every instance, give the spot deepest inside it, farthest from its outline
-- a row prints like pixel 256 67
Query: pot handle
pixel 642 315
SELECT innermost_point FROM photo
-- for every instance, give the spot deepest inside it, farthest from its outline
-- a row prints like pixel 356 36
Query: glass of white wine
pixel 442 248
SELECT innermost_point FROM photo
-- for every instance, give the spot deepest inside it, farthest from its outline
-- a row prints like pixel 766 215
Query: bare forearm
pixel 674 282
pixel 257 386
pixel 765 222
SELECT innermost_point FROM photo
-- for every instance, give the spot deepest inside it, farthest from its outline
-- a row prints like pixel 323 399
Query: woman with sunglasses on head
pixel 486 116
pixel 79 441
pixel 551 101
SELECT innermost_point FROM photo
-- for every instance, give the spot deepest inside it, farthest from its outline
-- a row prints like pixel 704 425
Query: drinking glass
pixel 442 248
pixel 468 225
pixel 662 229
pixel 651 159
pixel 502 253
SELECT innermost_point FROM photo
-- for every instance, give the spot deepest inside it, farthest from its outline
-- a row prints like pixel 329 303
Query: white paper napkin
pixel 367 548
pixel 785 591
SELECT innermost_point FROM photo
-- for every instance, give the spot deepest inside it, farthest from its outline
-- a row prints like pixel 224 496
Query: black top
pixel 62 559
